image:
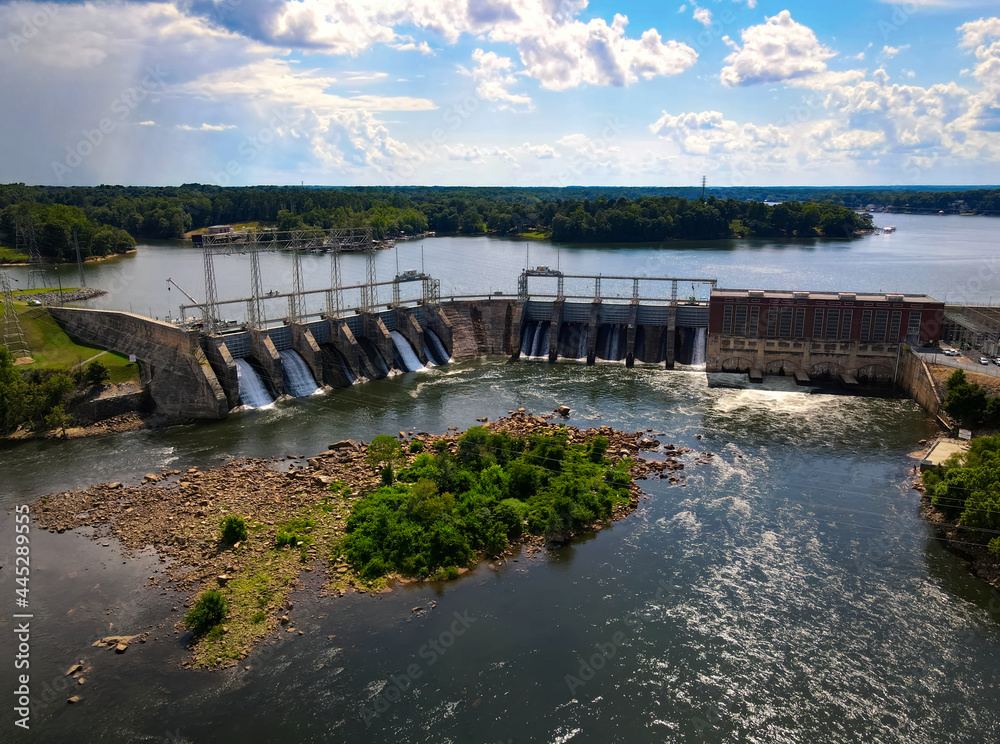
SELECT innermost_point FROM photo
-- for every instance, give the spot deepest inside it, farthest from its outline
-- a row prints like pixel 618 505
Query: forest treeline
pixel 107 219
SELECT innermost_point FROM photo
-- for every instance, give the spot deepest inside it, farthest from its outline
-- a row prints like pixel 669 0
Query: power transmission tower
pixel 704 180
pixel 369 292
pixel 255 318
pixel 13 335
pixel 24 242
pixel 296 302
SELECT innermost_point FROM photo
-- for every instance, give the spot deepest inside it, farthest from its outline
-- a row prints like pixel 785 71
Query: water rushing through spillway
pixel 253 393
pixel 299 381
pixel 406 353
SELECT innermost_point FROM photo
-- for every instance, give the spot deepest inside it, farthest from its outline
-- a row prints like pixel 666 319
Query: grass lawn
pixel 9 255
pixel 534 235
pixel 53 349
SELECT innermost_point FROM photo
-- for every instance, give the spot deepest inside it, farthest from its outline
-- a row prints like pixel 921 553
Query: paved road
pixel 961 362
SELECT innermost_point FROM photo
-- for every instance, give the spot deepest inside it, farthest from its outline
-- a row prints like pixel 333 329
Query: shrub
pixel 234 529
pixel 208 611
pixel 416 446
pixel 598 446
pixel 97 373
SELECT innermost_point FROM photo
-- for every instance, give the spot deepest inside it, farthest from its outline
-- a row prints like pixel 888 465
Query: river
pixel 788 593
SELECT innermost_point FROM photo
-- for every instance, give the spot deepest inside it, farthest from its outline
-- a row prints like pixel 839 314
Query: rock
pixel 151 477
pixel 81 680
pixel 121 648
pixel 74 669
pixel 284 619
pixel 343 444
pixel 116 484
pixel 416 609
pixel 74 699
pixel 223 579
pixel 324 480
pixel 562 411
pixel 402 435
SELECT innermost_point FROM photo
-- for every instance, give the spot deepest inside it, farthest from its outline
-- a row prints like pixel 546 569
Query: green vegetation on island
pixel 966 490
pixel 438 513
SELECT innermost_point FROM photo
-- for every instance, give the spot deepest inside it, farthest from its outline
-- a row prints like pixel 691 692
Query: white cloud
pixel 556 48
pixel 598 54
pixel 710 133
pixel 889 52
pixel 147 123
pixel 207 127
pixel 780 49
pixel 494 77
pixel 703 16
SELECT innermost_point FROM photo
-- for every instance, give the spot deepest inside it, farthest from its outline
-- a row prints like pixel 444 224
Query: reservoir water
pixel 788 593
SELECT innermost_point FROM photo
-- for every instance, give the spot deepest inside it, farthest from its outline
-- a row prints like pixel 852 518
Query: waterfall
pixel 611 353
pixel 527 338
pixel 436 347
pixel 536 341
pixel 543 349
pixel 410 359
pixel 299 381
pixel 252 390
pixel 581 349
pixel 698 352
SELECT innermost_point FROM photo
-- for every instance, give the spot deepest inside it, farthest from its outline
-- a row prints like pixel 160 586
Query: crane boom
pixel 183 292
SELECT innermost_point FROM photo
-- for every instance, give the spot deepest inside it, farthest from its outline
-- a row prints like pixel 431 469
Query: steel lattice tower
pixel 13 335
pixel 296 302
pixel 334 298
pixel 255 317
pixel 369 292
pixel 210 317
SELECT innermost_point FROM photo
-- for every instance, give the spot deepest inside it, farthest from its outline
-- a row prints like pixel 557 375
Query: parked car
pixel 984 360
pixel 997 361
pixel 950 352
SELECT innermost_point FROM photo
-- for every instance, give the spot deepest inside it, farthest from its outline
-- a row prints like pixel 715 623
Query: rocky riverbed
pixel 178 513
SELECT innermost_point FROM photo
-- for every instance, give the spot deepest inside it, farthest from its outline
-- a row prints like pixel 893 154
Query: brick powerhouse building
pixel 819 333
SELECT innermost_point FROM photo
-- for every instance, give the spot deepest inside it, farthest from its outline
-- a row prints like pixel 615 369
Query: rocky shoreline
pixel 178 513
pixel 959 541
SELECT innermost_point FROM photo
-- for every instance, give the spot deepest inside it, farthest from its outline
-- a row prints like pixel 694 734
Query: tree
pixel 97 373
pixel 383 450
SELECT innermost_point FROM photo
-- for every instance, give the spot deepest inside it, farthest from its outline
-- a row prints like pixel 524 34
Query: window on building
pixel 800 322
pixel 818 323
pixel 913 327
pixel 866 325
pixel 881 322
pixel 833 323
pixel 727 320
pixel 846 323
pixel 772 322
pixel 785 329
pixel 754 330
pixel 741 320
pixel 897 319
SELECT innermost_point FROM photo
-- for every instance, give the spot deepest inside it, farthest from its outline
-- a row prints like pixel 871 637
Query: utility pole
pixel 704 180
pixel 79 259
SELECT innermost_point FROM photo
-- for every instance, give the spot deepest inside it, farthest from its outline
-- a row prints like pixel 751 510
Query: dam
pixel 296 343
pixel 205 367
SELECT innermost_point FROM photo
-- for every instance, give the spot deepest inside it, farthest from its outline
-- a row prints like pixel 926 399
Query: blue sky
pixel 501 92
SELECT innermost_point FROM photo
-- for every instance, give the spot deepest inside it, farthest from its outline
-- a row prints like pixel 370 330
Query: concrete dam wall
pixel 195 376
